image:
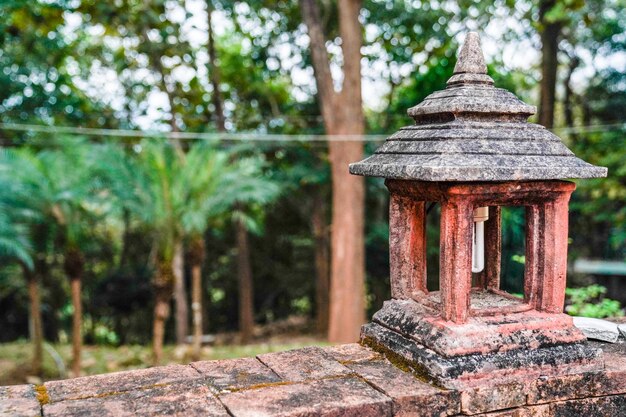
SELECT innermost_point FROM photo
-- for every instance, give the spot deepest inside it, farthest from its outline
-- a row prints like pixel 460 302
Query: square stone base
pixel 501 347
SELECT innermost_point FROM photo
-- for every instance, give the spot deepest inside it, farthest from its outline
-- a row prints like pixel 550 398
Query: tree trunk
pixel 214 75
pixel 77 321
pixel 246 292
pixel 196 257
pixel 74 266
pixel 550 33
pixel 36 331
pixel 180 295
pixel 319 227
pixel 125 238
pixel 568 101
pixel 343 118
pixel 163 284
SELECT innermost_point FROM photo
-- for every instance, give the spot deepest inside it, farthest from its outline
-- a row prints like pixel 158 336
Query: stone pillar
pixel 407 247
pixel 455 276
pixel 546 252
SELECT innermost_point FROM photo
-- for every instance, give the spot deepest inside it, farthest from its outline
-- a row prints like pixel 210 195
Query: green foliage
pixel 591 302
pixel 144 65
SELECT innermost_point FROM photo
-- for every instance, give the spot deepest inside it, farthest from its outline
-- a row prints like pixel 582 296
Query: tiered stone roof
pixel 473 131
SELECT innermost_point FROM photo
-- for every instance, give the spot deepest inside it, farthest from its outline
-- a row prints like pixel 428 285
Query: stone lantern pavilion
pixel 472 151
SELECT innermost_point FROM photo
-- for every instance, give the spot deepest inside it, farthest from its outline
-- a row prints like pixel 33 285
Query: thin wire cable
pixel 244 136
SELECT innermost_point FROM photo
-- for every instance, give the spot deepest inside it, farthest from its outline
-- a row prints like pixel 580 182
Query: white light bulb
pixel 478 239
pixel 478 247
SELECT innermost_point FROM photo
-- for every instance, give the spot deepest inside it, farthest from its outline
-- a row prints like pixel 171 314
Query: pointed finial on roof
pixel 471 58
pixel 470 66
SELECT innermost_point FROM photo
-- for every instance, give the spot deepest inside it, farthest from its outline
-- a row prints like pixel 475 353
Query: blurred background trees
pixel 171 154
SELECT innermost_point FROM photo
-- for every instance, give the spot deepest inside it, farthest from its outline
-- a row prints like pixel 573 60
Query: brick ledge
pixel 346 380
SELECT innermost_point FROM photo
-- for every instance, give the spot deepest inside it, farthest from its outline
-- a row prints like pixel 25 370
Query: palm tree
pixel 15 245
pixel 169 193
pixel 46 188
pixel 250 190
pixel 177 196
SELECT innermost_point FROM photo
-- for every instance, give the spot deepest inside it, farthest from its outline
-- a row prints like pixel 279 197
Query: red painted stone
pixel 409 394
pixel 352 352
pixel 546 203
pixel 303 364
pixel 482 334
pixel 407 247
pixel 170 400
pixel 610 406
pixel 372 387
pixel 490 398
pixel 345 397
pixel 117 382
pixel 19 400
pixel 235 374
pixel 535 411
pixel 455 259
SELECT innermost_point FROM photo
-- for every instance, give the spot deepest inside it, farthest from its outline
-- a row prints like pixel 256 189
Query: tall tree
pixel 550 32
pixel 214 72
pixel 342 113
pixel 15 245
pixel 53 187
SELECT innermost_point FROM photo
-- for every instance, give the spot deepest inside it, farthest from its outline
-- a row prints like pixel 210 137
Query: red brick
pixel 534 411
pixel 410 395
pixel 491 398
pixel 407 247
pixel 610 406
pixel 19 400
pixel 352 352
pixel 180 399
pixel 567 387
pixel 345 397
pixel 117 382
pixel 235 374
pixel 303 364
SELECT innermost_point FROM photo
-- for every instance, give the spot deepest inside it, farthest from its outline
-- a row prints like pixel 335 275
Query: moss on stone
pixel 400 362
pixel 42 395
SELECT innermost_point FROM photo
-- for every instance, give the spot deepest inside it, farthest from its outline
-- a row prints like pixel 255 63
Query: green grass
pixel 15 357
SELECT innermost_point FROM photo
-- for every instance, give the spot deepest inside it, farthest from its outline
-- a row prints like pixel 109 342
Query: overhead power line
pixel 217 136
pixel 244 136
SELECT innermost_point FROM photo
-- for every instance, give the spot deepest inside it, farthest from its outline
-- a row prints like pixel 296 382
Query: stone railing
pixel 347 380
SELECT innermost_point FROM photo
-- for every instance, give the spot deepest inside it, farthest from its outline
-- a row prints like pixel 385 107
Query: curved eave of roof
pixel 464 167
pixel 473 131
pixel 472 99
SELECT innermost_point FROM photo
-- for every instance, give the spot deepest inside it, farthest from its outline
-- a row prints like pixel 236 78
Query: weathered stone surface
pixel 461 372
pixel 597 329
pixel 609 381
pixel 235 374
pixel 303 364
pixel 373 386
pixel 352 352
pixel 459 167
pixel 472 131
pixel 491 398
pixel 534 411
pixel 409 393
pixel 171 400
pixel 19 400
pixel 470 57
pixel 118 382
pixel 529 329
pixel 622 329
pixel 611 406
pixel 345 397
